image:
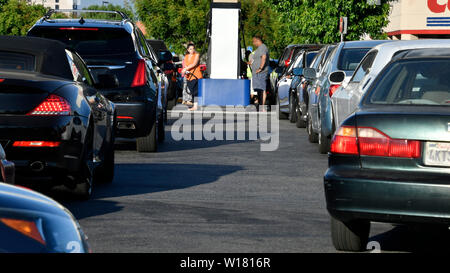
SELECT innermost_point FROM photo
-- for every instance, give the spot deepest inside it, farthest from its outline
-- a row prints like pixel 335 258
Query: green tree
pixel 175 21
pixel 310 21
pixel 17 16
pixel 126 8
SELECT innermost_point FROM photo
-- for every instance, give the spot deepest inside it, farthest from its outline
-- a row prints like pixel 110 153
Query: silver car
pixel 346 99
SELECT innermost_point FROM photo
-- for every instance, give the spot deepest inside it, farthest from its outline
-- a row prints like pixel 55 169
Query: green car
pixel 390 160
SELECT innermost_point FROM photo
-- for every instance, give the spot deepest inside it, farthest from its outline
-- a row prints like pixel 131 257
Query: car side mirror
pixel 107 81
pixel 298 71
pixel 8 169
pixel 165 56
pixel 309 73
pixel 337 77
pixel 279 70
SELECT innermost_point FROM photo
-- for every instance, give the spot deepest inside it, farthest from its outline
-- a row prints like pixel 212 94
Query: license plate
pixel 437 154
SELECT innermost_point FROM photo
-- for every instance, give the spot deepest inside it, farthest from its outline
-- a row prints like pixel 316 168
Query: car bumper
pixel 134 119
pixel 70 131
pixel 387 196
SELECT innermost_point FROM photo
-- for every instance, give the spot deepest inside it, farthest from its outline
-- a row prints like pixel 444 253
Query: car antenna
pixel 81 21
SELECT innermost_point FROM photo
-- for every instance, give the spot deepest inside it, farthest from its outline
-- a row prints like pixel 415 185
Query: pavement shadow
pixel 416 239
pixel 136 179
pixel 171 145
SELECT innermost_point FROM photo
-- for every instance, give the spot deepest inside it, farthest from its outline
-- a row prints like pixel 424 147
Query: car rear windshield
pixel 351 57
pixel 89 41
pixel 17 61
pixel 414 82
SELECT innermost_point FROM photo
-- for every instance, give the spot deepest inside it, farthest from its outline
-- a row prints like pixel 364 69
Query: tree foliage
pixel 175 21
pixel 17 16
pixel 310 21
pixel 126 8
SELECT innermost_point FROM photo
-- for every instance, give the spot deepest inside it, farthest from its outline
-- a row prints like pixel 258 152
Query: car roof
pixel 50 55
pixel 157 45
pixel 88 23
pixel 363 44
pixel 423 53
pixel 387 50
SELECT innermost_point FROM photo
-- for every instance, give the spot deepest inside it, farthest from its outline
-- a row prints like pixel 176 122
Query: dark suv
pixel 117 48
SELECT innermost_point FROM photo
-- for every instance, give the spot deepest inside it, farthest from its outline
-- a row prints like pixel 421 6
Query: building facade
pixel 57 4
pixel 419 19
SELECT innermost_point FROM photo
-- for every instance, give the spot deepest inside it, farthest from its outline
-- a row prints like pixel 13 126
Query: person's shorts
pixel 259 81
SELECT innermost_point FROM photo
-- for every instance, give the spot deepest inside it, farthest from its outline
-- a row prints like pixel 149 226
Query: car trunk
pixel 123 66
pixel 429 125
pixel 21 96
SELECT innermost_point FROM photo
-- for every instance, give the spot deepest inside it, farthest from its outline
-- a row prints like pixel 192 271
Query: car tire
pixel 292 108
pixel 104 174
pixel 324 143
pixel 161 130
pixel 281 115
pixel 83 179
pixel 312 137
pixel 299 122
pixel 352 236
pixel 148 144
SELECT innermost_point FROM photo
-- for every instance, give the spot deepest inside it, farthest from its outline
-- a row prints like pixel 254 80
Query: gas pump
pixel 224 86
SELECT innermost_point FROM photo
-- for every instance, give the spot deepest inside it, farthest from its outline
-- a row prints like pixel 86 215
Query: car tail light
pixel 345 141
pixel 372 142
pixel 2 80
pixel 287 62
pixel 50 144
pixel 53 105
pixel 332 89
pixel 140 77
pixel 27 228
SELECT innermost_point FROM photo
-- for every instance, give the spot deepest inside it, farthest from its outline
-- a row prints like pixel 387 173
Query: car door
pixel 346 99
pixel 100 107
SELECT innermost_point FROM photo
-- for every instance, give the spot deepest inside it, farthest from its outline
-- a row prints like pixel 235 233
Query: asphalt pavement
pixel 222 196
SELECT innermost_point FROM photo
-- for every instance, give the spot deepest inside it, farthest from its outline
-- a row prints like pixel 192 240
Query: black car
pixel 118 47
pixel 33 223
pixel 390 160
pixel 53 121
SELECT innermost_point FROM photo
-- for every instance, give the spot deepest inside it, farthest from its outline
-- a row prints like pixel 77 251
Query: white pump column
pixel 224 59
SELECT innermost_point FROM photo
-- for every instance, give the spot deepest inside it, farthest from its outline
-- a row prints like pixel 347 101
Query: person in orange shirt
pixel 193 72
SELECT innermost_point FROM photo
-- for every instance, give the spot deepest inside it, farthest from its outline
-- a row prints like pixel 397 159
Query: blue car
pixel 345 58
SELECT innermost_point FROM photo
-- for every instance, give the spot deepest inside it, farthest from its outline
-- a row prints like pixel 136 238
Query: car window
pixel 364 67
pixel 89 41
pixel 350 58
pixel 79 70
pixel 309 58
pixel 17 61
pixel 315 63
pixel 415 82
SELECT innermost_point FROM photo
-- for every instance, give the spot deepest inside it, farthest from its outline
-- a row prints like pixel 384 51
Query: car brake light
pixel 124 117
pixel 78 28
pixel 53 105
pixel 140 77
pixel 27 228
pixel 2 80
pixel 332 89
pixel 50 144
pixel 287 62
pixel 372 142
pixel 345 141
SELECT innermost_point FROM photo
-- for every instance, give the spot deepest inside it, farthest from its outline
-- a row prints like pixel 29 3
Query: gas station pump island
pixel 224 86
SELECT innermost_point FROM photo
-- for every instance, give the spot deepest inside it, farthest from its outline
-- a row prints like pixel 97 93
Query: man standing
pixel 260 69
